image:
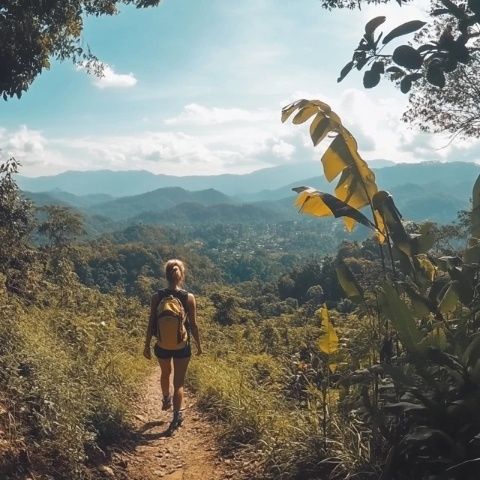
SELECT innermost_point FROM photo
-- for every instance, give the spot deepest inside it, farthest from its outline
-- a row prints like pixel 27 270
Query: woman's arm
pixel 192 315
pixel 147 353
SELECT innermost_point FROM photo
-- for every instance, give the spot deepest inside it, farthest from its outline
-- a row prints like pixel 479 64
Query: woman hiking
pixel 173 321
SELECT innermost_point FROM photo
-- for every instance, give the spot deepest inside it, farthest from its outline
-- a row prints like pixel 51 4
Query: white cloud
pixel 283 149
pixel 111 79
pixel 225 150
pixel 201 140
pixel 31 149
pixel 23 142
pixel 195 114
pixel 205 140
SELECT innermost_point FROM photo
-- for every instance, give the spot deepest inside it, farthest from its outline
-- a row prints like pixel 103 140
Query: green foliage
pixel 417 389
pixel 16 221
pixel 245 388
pixel 70 372
pixel 440 54
pixel 438 68
pixel 452 109
pixel 32 33
pixel 61 225
pixel 68 354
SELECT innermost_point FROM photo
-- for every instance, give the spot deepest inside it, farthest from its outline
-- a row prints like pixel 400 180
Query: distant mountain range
pixel 434 191
pixel 135 182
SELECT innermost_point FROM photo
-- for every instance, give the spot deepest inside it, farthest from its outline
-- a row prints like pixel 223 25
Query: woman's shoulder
pixel 155 298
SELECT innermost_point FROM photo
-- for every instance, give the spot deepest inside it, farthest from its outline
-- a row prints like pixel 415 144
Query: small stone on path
pixel 106 471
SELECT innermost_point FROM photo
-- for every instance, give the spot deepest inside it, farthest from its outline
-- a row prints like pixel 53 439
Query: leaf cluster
pixel 440 51
pixel 32 33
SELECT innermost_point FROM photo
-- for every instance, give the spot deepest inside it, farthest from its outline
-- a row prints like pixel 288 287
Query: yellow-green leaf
pixel 348 283
pixel 328 342
pixel 381 233
pixel 449 301
pixel 356 186
pixel 333 367
pixel 308 195
pixel 402 319
pixel 385 206
pixel 422 306
pixel 427 266
pixel 472 253
pixel 437 338
pixel 304 114
pixel 423 242
pixel 319 128
pixel 308 201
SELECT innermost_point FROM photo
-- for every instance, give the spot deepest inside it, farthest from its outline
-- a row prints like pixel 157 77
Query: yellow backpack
pixel 171 331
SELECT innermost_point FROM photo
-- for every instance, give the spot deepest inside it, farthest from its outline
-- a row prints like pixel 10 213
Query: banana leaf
pixel 385 206
pixel 322 204
pixel 348 282
pixel 356 185
pixel 328 342
pixel 402 319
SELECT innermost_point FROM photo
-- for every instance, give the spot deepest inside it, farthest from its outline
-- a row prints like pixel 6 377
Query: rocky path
pixel 192 453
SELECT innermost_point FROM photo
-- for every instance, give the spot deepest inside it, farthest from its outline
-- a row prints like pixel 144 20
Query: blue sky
pixel 196 87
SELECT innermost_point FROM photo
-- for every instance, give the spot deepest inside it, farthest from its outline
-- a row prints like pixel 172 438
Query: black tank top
pixel 182 295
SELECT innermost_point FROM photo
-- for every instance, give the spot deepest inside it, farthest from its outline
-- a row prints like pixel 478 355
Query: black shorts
pixel 164 354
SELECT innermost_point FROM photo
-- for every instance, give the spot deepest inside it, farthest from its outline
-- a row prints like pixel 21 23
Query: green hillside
pixel 423 191
pixel 155 201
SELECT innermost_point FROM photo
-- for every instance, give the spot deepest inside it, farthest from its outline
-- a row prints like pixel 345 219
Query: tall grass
pixel 270 406
pixel 68 373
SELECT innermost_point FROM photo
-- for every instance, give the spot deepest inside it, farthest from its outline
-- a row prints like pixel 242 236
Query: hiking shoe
pixel 177 421
pixel 167 402
pixel 175 424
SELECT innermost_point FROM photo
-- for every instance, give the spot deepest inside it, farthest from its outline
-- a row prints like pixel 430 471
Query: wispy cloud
pixel 208 140
pixel 109 78
pixel 31 148
pixel 195 114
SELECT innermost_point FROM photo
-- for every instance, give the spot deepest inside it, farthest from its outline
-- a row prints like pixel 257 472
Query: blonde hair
pixel 175 271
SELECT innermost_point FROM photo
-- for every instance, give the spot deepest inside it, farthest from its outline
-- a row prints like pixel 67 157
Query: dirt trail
pixel 192 453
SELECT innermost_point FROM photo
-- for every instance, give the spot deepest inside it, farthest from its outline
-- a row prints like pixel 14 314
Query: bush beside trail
pixel 68 372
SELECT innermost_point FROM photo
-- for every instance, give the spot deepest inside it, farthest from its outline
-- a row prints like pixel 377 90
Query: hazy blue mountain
pixel 429 172
pixel 455 178
pixel 126 183
pixel 380 163
pixel 44 198
pixel 422 191
pixel 195 213
pixel 80 201
pixel 59 197
pixel 157 200
pixel 117 184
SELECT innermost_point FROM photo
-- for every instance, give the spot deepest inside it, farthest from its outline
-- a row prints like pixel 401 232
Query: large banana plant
pixel 428 406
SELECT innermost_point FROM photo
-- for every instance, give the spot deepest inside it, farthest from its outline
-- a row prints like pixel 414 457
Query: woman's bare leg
pixel 166 371
pixel 179 370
